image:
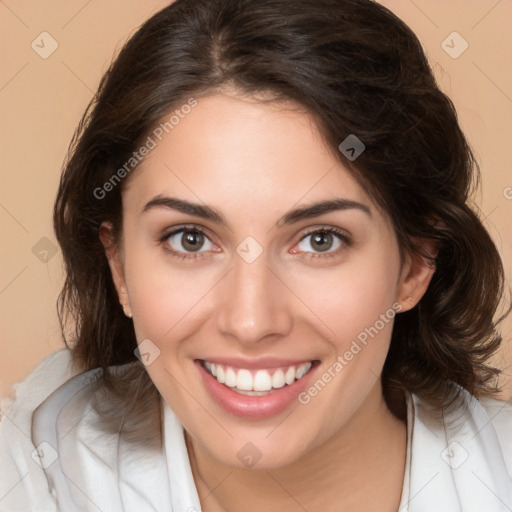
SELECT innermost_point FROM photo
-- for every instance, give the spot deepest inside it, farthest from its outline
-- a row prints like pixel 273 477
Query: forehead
pixel 241 153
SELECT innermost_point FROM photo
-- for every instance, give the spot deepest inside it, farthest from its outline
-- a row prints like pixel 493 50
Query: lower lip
pixel 253 406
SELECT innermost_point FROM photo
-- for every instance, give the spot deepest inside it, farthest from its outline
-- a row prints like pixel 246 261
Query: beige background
pixel 41 101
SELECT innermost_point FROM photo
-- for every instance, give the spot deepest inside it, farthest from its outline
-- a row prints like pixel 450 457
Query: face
pixel 227 267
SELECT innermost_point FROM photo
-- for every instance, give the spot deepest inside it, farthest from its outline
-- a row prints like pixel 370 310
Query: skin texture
pixel 254 162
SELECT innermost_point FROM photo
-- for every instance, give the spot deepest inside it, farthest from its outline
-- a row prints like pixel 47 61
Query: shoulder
pixel 483 426
pixel 500 416
pixel 19 467
pixel 463 452
pixel 96 435
pixel 49 374
pixel 477 420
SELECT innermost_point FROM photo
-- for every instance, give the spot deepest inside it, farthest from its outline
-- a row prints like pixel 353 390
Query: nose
pixel 254 305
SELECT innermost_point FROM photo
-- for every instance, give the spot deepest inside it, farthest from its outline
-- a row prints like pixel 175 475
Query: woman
pixel 281 297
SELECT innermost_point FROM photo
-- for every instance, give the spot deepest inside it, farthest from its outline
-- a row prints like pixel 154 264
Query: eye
pixel 324 240
pixel 186 241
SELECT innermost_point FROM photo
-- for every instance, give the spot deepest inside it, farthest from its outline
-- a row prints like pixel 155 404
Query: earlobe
pixel 113 255
pixel 416 275
pixel 127 310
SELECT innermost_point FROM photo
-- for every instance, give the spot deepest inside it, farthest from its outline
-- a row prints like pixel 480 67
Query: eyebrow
pixel 291 217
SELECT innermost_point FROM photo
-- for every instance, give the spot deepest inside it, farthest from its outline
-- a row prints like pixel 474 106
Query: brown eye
pixel 321 241
pixel 327 240
pixel 192 240
pixel 187 240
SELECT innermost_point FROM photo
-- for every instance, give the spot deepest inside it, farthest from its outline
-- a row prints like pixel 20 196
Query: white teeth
pixel 244 380
pixel 303 370
pixel 230 378
pixel 262 381
pixel 220 374
pixel 289 376
pixel 278 379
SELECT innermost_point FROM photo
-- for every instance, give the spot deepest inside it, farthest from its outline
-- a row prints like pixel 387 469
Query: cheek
pixel 351 298
pixel 156 293
pixel 355 306
pixel 164 302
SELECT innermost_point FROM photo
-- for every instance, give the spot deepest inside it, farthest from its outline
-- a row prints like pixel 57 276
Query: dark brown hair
pixel 357 69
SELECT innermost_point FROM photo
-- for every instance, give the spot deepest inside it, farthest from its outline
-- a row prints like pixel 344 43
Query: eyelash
pixel 343 238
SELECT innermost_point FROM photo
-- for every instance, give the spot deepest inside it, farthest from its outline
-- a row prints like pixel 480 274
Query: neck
pixel 359 469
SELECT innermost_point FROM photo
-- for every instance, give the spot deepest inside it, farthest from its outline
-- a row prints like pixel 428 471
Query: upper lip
pixel 255 363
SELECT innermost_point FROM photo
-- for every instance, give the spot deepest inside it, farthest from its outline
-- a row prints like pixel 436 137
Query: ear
pixel 416 274
pixel 113 253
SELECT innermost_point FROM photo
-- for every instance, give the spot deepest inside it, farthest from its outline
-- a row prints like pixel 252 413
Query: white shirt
pixel 460 463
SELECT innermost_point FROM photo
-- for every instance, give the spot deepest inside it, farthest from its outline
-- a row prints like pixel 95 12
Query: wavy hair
pixel 357 69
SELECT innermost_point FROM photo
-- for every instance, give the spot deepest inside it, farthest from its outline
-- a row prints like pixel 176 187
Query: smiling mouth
pixel 258 382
